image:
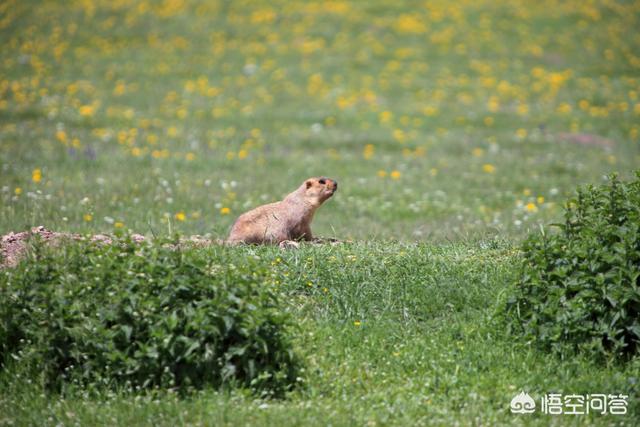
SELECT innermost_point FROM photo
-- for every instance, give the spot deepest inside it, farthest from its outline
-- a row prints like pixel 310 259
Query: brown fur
pixel 289 219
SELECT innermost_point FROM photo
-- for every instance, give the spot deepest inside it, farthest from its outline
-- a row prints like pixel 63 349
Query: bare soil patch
pixel 585 139
pixel 13 246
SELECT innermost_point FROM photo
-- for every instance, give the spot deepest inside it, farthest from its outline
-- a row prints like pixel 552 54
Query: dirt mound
pixel 13 246
pixel 585 139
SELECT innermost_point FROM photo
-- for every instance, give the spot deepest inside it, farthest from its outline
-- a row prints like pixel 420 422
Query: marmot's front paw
pixel 289 244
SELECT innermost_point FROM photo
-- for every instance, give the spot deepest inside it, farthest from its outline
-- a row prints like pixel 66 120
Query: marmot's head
pixel 319 189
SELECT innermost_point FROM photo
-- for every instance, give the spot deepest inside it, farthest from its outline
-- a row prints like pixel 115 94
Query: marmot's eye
pixel 322 181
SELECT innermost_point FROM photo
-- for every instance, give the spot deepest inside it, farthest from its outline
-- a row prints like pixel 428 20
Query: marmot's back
pixel 257 225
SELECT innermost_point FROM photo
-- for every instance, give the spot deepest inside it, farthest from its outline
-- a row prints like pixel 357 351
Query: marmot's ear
pixel 309 184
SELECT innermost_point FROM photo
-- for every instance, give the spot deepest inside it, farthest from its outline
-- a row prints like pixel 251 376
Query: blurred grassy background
pixel 440 120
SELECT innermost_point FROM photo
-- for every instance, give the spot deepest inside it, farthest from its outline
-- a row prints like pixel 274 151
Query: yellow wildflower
pixel 413 24
pixel 399 135
pixel 385 116
pixel 61 136
pixel 86 110
pixel 488 168
pixel 172 132
pixel 493 104
pixel 36 175
pixel 430 111
pixel 523 109
pixel 367 153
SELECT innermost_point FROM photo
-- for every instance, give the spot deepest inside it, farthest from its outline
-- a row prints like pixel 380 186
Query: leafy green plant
pixel 142 316
pixel 579 289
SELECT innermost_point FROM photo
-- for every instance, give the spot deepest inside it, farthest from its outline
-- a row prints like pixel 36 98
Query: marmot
pixel 283 221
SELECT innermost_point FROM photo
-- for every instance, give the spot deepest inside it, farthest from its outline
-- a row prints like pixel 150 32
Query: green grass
pixel 445 123
pixel 398 334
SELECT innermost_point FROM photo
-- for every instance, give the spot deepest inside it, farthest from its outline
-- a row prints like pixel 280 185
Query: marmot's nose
pixel 335 184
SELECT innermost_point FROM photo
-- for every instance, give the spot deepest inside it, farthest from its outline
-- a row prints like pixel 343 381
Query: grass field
pixel 454 128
